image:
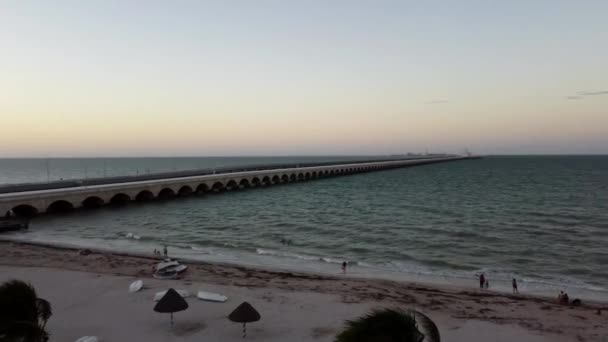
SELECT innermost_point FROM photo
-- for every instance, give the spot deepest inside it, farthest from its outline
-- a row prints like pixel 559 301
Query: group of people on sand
pixel 562 298
pixel 484 283
pixel 157 251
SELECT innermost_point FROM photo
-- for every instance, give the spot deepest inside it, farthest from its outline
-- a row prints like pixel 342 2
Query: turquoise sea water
pixel 541 219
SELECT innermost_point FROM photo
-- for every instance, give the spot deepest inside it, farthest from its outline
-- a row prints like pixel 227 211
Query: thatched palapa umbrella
pixel 170 303
pixel 244 313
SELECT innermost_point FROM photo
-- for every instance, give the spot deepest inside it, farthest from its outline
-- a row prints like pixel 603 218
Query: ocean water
pixel 541 219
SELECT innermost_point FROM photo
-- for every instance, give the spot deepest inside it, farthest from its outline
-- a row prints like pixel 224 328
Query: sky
pixel 208 78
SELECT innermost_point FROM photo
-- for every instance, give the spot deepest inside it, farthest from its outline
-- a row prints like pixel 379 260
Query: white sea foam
pixel 132 236
pixel 275 253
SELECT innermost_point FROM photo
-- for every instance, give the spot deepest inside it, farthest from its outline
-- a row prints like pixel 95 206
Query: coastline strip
pixel 531 312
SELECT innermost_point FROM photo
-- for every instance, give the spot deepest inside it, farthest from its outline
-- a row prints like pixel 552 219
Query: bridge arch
pixel 244 183
pixel 144 195
pixel 232 185
pixel 314 174
pixel 25 210
pixel 267 181
pixel 218 187
pixel 293 177
pixel 202 188
pixel 120 199
pixel 307 175
pixel 185 190
pixel 92 202
pixel 60 206
pixel 256 181
pixel 284 178
pixel 166 193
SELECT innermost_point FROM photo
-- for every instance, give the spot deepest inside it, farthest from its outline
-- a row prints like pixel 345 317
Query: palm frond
pixel 18 302
pixel 44 310
pixel 23 315
pixel 428 327
pixel 19 331
pixel 384 325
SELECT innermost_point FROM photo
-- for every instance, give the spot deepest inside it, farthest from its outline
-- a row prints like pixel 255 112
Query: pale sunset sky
pixel 208 78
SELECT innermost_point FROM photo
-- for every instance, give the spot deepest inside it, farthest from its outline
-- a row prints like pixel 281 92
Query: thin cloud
pixel 582 94
pixel 593 93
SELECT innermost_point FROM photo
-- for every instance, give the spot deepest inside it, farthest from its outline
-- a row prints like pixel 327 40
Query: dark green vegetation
pixel 23 315
pixel 390 325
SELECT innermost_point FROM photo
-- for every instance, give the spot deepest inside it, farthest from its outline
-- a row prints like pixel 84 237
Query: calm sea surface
pixel 541 219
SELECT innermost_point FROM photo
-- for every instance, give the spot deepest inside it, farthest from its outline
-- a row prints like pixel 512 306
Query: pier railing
pixel 60 184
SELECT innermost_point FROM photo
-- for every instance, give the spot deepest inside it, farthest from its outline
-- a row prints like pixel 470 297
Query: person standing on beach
pixel 515 286
pixel 165 250
pixel 482 281
pixel 344 267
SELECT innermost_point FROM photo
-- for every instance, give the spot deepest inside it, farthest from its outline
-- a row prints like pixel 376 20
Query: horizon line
pixel 302 155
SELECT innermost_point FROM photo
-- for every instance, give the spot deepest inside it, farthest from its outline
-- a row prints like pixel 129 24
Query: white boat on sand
pixel 169 269
pixel 211 297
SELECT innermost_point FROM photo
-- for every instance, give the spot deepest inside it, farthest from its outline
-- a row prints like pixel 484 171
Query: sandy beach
pixel 89 295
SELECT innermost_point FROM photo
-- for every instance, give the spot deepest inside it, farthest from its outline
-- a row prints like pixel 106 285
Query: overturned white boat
pixel 169 269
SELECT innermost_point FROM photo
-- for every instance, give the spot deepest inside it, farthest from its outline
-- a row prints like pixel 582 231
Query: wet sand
pixel 89 297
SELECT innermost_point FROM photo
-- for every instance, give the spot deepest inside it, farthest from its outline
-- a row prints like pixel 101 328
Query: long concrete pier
pixel 32 199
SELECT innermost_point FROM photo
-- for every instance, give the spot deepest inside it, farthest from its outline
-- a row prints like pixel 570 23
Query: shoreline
pixel 459 286
pixel 257 261
pixel 533 313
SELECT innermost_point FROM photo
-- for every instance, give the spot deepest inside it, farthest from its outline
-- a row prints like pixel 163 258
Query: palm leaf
pixel 385 325
pixel 18 331
pixel 44 310
pixel 18 302
pixel 22 314
pixel 428 327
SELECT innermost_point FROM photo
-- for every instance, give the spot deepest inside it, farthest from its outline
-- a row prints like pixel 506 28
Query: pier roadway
pixel 31 199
